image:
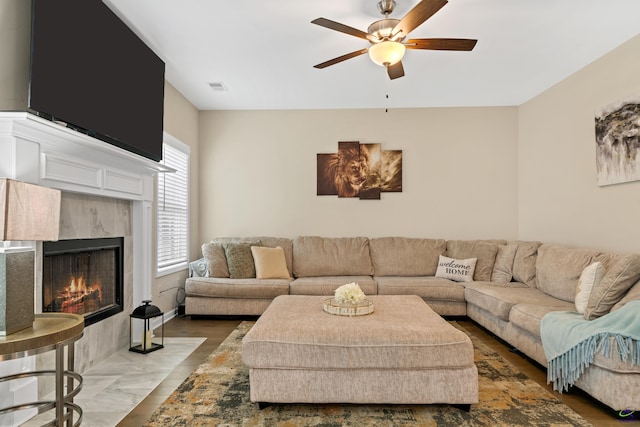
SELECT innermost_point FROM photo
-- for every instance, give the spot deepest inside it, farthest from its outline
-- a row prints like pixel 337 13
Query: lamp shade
pixel 28 211
pixel 386 53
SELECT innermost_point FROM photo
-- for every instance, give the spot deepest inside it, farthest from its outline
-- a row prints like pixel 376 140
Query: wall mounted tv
pixel 90 71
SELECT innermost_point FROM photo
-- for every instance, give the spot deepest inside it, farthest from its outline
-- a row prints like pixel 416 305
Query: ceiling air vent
pixel 218 86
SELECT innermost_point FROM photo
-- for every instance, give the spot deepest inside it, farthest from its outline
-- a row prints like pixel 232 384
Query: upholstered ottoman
pixel 402 353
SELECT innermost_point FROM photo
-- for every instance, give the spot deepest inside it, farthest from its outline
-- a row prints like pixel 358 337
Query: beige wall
pixel 559 200
pixel 258 173
pixel 181 122
pixel 15 28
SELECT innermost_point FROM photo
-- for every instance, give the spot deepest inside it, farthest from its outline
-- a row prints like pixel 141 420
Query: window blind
pixel 173 210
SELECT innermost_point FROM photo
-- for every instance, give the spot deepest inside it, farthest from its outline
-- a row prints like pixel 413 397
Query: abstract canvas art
pixel 359 170
pixel 618 141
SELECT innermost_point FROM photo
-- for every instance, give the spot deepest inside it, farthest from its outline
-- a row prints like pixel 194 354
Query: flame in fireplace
pixel 78 294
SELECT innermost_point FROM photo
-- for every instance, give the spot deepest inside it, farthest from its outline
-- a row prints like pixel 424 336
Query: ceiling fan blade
pixel 441 44
pixel 333 25
pixel 341 58
pixel 416 16
pixel 396 70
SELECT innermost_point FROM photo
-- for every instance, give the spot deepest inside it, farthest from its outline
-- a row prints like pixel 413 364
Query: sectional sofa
pixel 513 286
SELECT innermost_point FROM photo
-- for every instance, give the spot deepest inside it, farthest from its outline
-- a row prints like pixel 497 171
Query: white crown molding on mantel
pixel 43 152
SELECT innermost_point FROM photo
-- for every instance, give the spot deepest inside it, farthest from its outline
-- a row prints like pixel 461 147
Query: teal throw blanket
pixel 571 342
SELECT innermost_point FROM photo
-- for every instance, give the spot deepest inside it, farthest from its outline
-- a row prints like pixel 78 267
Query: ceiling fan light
pixel 386 53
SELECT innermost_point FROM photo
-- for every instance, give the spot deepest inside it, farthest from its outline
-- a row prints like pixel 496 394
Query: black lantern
pixel 146 312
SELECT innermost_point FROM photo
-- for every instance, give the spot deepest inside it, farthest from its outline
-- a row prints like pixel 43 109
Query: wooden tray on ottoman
pixel 402 353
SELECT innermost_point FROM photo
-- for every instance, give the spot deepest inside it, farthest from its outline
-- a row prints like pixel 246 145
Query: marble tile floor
pixel 115 386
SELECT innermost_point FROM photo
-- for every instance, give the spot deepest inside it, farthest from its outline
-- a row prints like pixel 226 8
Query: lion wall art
pixel 359 170
pixel 618 141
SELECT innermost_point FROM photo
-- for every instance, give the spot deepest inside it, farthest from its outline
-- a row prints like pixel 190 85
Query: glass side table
pixel 50 332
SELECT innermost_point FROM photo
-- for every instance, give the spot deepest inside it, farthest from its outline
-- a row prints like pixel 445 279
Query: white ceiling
pixel 264 51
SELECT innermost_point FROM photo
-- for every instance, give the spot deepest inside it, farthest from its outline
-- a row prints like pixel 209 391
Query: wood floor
pixel 216 330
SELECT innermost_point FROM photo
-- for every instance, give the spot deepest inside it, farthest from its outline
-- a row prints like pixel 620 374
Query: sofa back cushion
pixel 331 256
pixel 558 269
pixel 484 251
pixel 403 256
pixel 214 251
pixel 524 263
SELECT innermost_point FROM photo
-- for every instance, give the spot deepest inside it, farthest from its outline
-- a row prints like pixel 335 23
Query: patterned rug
pixel 217 394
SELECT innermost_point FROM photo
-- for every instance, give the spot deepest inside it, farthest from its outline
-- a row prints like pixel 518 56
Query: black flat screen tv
pixel 91 72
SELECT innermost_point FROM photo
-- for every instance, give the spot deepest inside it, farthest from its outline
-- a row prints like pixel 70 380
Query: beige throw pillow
pixel 216 260
pixel 458 270
pixel 524 264
pixel 503 267
pixel 270 263
pixel 590 278
pixel 616 281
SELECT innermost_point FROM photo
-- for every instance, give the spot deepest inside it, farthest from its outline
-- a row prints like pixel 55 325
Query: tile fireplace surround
pixel 106 192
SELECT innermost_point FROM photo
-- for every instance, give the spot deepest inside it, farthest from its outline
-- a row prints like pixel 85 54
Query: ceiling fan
pixel 387 36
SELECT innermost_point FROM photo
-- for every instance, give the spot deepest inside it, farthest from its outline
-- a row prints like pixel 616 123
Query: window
pixel 172 210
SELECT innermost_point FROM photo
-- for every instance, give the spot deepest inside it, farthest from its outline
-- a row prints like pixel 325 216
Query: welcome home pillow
pixel 458 270
pixel 590 278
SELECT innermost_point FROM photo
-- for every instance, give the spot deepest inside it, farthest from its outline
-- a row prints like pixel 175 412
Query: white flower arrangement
pixel 349 294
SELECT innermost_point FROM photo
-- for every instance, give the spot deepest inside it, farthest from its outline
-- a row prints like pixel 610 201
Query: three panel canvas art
pixel 359 170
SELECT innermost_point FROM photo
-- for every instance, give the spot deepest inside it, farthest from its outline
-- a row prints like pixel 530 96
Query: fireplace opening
pixel 83 276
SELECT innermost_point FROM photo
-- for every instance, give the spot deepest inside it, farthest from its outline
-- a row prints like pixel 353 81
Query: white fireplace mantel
pixel 43 152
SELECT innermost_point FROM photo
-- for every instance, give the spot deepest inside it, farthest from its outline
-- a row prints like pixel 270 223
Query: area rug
pixel 217 394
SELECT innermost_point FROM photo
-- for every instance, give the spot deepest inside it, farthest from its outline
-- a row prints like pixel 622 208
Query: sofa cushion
pixel 213 253
pixel 503 267
pixel 215 287
pixel 528 316
pixel 499 299
pixel 327 285
pixel 331 256
pixel 615 283
pixel 458 270
pixel 524 263
pixel 485 252
pixel 590 277
pixel 427 287
pixel 270 263
pixel 403 256
pixel 558 269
